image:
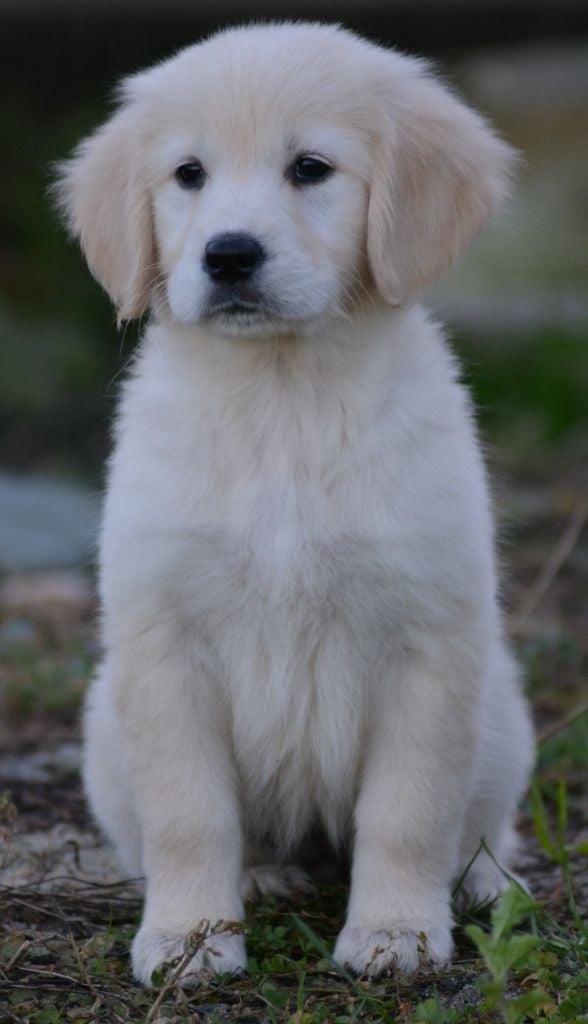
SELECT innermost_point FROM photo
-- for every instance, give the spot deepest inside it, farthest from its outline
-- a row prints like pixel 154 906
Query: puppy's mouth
pixel 236 311
pixel 234 307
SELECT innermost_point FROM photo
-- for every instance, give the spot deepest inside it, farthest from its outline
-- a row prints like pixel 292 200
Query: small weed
pixel 432 1011
pixel 503 950
pixel 554 844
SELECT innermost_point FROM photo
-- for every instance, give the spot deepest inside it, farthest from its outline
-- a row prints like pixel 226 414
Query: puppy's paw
pixel 371 953
pixel 201 954
pixel 274 880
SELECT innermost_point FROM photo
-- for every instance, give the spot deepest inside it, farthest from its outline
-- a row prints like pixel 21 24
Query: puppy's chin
pixel 262 326
pixel 246 323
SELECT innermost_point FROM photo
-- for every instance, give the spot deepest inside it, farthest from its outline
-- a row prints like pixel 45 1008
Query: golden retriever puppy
pixel 300 615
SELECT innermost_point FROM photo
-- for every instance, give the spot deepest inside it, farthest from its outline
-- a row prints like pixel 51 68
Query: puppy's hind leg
pixel 489 841
pixel 267 879
pixel 105 773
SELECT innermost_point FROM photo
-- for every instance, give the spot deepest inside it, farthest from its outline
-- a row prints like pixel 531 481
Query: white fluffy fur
pixel 297 569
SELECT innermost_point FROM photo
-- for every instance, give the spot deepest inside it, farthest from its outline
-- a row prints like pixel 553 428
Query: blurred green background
pixel 517 307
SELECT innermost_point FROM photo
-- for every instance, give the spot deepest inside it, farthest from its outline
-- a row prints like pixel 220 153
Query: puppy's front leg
pixel 420 761
pixel 184 786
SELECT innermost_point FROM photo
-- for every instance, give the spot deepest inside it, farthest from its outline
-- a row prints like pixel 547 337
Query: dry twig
pixel 559 554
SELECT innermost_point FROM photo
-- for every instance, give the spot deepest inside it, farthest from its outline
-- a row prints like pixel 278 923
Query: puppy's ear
pixel 106 204
pixel 439 172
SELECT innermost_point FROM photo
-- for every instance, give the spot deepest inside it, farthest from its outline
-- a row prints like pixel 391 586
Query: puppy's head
pixel 272 176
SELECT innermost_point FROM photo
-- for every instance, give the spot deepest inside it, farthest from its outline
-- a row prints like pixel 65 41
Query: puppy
pixel 300 614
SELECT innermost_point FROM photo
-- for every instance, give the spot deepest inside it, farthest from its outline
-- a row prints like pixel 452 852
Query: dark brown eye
pixel 191 175
pixel 309 169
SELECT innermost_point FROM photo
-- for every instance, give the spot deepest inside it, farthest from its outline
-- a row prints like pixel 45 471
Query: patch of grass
pixel 521 965
pixel 64 956
pixel 42 676
pixel 530 392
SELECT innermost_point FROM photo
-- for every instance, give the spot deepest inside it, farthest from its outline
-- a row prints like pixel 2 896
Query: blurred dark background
pixel 517 306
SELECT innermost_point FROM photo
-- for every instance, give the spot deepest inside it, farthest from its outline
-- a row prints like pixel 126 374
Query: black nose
pixel 231 258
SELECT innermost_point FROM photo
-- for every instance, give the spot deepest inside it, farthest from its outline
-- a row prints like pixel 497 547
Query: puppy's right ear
pixel 106 204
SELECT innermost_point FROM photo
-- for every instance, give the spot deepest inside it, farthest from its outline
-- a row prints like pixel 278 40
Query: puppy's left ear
pixel 106 203
pixel 439 173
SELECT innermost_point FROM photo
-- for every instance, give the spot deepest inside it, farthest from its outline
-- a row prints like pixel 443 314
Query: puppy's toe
pixel 215 954
pixel 372 953
pixel 274 880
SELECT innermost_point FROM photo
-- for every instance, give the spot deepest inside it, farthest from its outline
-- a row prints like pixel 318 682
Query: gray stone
pixel 45 523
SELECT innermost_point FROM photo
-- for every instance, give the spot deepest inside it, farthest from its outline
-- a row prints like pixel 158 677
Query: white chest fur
pixel 299 533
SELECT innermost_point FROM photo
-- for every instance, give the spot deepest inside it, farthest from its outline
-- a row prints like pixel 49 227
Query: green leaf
pixel 524 1007
pixel 574 1006
pixel 516 950
pixel 562 816
pixel 274 997
pixel 480 938
pixel 513 907
pixel 431 1011
pixel 487 947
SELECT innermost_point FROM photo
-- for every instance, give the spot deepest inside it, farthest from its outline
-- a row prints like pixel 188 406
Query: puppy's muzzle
pixel 231 258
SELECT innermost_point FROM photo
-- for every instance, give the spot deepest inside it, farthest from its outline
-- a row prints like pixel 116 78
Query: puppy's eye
pixel 309 169
pixel 190 175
